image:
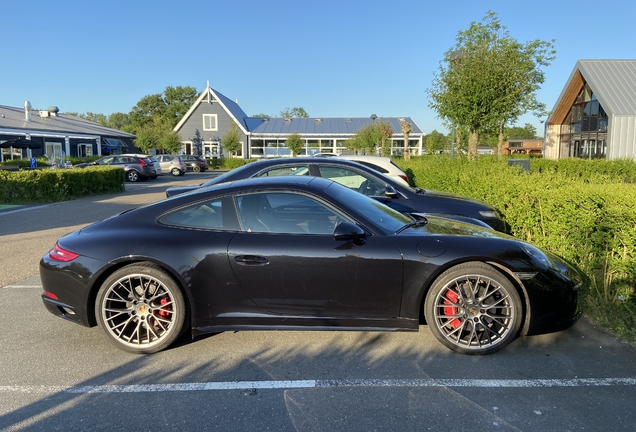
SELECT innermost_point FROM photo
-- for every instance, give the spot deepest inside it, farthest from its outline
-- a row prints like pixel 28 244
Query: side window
pixel 218 214
pixel 286 213
pixel 286 171
pixel 353 179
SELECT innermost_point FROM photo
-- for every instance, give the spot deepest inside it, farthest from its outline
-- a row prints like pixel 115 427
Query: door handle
pixel 251 260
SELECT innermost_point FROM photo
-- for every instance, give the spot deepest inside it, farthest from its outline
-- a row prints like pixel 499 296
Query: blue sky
pixel 344 58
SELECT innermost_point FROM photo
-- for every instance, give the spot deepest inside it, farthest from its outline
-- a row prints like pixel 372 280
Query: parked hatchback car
pixel 172 164
pixel 136 168
pixel 153 159
pixel 195 163
pixel 302 253
pixel 394 193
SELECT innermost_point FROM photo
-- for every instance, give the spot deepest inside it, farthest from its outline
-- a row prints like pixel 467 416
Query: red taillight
pixel 50 295
pixel 142 162
pixel 405 178
pixel 59 254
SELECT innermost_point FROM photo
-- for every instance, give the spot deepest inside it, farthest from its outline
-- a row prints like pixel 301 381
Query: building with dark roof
pixel 595 115
pixel 202 128
pixel 58 135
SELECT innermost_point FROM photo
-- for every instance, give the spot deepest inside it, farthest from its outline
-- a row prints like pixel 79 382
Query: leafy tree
pixel 231 141
pixel 528 131
pixel 366 140
pixel 170 106
pixel 489 79
pixel 261 115
pixel 297 112
pixel 436 141
pixel 119 121
pixel 295 143
pixel 407 128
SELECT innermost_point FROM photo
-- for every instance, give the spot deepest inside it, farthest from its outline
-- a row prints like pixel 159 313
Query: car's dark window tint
pixel 218 214
pixel 285 171
pixel 286 213
pixel 353 179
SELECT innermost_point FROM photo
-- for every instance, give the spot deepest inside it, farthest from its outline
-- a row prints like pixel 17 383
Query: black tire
pixel 175 172
pixel 196 168
pixel 141 309
pixel 479 320
pixel 132 176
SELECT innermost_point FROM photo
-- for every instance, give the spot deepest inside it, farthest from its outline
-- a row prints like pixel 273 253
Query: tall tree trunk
pixel 472 143
pixel 500 139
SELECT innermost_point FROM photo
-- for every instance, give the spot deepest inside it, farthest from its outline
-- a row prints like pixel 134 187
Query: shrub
pixel 30 186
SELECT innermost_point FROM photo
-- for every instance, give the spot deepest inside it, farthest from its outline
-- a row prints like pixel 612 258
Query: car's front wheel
pixel 141 309
pixel 132 176
pixel 473 309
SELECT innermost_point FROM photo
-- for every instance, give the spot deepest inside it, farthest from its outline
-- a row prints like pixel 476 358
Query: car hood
pixel 170 192
pixel 438 225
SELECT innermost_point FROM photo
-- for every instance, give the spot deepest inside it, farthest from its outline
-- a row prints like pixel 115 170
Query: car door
pixel 286 259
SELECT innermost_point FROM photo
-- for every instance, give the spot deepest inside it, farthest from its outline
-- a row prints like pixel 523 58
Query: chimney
pixel 27 111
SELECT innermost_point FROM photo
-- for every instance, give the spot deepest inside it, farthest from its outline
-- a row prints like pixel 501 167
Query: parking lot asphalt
pixel 56 375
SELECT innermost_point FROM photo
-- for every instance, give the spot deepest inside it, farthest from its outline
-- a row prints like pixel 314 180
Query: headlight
pixel 489 214
pixel 539 255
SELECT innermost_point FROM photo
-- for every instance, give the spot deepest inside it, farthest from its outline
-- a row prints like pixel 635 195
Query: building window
pixel 210 122
pixel 584 130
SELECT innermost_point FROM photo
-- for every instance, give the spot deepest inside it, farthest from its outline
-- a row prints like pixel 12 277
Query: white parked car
pixel 381 164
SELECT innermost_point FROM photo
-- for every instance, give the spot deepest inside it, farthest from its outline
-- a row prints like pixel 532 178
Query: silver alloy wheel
pixel 132 176
pixel 176 172
pixel 140 312
pixel 473 310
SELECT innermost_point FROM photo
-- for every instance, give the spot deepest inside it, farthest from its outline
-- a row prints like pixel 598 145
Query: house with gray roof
pixel 202 129
pixel 59 135
pixel 595 115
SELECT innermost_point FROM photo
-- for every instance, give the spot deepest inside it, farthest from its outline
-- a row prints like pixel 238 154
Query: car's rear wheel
pixel 132 176
pixel 141 309
pixel 196 168
pixel 176 172
pixel 473 309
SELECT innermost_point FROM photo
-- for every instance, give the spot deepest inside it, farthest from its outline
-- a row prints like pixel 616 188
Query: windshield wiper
pixel 415 224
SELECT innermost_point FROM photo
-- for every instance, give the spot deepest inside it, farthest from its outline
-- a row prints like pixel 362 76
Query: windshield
pixel 387 219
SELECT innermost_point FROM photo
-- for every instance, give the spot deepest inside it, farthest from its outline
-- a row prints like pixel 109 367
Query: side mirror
pixel 346 231
pixel 390 192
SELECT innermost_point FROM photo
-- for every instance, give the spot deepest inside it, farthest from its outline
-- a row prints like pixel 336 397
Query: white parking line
pixel 312 384
pixel 23 286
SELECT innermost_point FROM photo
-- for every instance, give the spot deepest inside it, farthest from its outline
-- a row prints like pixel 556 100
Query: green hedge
pixel 582 210
pixel 48 185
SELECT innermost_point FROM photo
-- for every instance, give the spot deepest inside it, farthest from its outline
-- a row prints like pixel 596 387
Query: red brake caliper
pixel 164 313
pixel 451 310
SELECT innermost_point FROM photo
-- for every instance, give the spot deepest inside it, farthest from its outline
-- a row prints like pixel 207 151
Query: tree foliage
pixel 170 106
pixel 297 112
pixel 371 137
pixel 489 79
pixel 231 140
pixel 436 142
pixel 295 143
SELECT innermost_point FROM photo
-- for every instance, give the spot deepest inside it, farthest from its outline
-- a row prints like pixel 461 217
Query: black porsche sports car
pixel 302 253
pixel 394 193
